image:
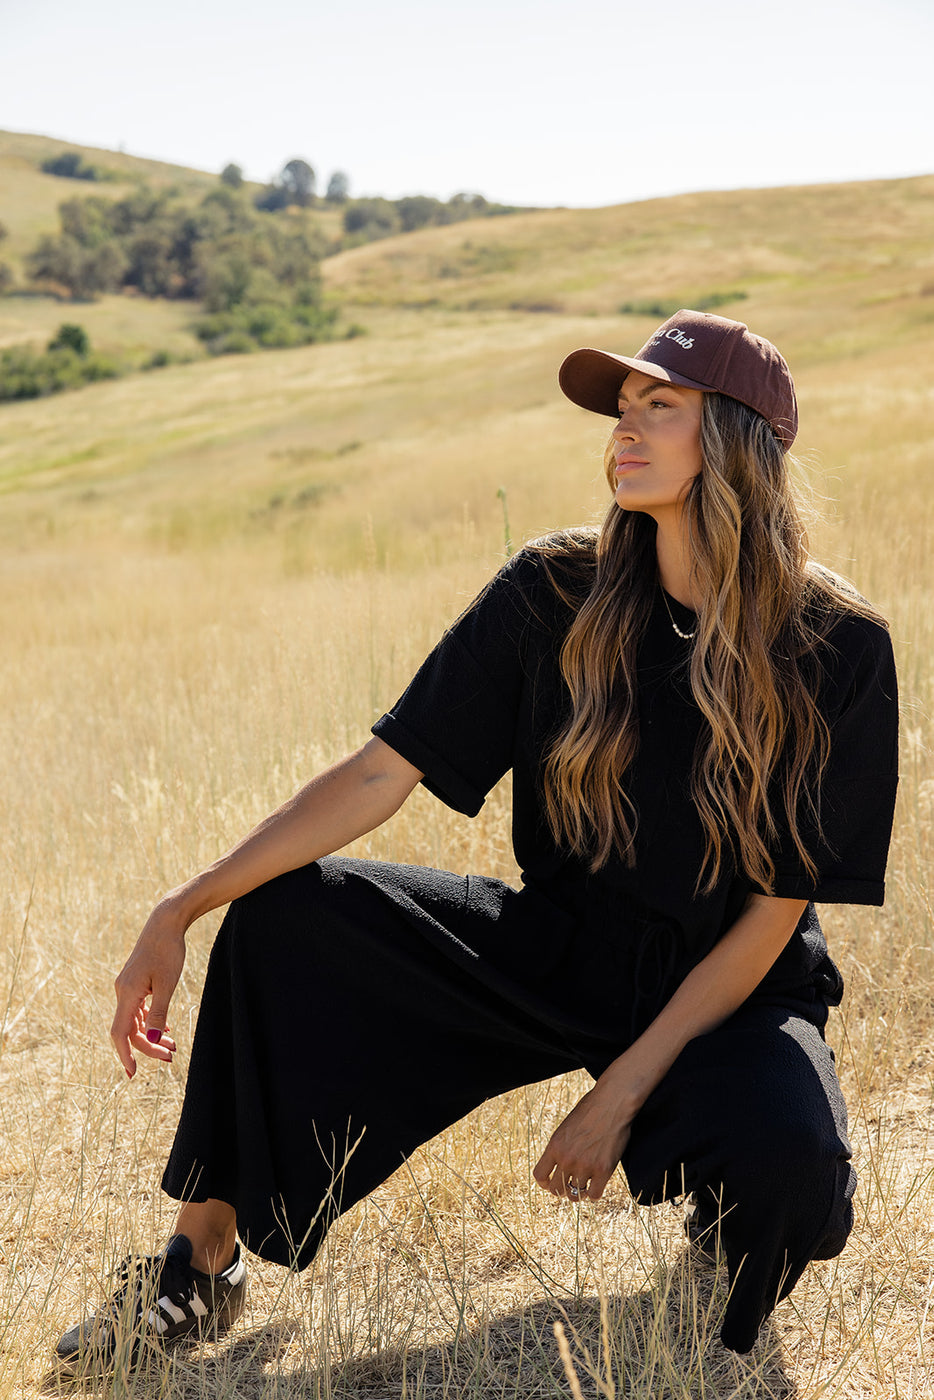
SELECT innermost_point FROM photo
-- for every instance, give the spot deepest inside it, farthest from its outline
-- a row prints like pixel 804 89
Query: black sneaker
pixel 159 1297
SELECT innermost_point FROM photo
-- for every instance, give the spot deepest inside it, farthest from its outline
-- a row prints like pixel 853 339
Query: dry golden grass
pixel 869 242
pixel 129 327
pixel 212 580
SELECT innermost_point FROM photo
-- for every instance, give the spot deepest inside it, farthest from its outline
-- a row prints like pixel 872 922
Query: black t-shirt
pixel 490 698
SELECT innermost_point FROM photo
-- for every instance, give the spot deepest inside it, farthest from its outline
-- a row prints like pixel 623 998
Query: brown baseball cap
pixel 698 351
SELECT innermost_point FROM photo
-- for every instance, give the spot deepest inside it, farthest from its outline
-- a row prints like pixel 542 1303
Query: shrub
pixel 232 342
pixel 24 374
pixel 267 326
pixel 98 366
pixel 419 210
pixel 71 165
pixel 272 198
pixel 162 359
pixel 374 218
pixel 70 337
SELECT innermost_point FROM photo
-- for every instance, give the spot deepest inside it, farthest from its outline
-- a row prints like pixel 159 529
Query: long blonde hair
pixel 765 608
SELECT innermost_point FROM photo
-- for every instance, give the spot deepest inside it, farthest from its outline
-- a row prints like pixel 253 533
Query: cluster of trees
pixel 256 277
pixel 67 362
pixel 364 219
pixel 220 251
pixel 368 219
pixel 152 242
pixel 252 263
pixel 296 185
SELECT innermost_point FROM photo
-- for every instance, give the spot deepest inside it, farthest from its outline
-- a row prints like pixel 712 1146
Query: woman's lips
pixel 626 464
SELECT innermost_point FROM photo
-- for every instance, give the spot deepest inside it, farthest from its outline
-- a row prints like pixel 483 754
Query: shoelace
pixel 138 1272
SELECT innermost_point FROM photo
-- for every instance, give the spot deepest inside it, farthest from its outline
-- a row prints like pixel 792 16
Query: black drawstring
pixel 654 967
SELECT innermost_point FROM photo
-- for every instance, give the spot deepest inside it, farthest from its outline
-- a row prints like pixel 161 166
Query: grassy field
pixel 214 577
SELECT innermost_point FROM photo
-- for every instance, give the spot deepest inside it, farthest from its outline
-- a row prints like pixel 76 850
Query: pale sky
pixel 545 103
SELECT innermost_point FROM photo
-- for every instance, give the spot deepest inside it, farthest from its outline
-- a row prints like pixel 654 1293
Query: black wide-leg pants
pixel 353 1009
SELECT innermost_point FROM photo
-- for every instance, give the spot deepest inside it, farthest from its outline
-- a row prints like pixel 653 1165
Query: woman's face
pixel 656 444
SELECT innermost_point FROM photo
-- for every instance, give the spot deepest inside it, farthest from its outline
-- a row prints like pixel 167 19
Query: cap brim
pixel 592 378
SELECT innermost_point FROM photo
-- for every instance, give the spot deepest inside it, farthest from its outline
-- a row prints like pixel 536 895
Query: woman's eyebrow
pixel 648 390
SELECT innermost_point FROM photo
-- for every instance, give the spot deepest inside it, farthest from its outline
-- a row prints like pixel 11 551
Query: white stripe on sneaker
pixel 176 1314
pixel 196 1305
pixel 156 1321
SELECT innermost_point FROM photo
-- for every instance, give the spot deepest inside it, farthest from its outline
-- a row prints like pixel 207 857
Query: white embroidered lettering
pixel 685 341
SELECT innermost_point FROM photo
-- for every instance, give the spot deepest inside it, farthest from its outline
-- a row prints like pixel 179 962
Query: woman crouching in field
pixel 701 725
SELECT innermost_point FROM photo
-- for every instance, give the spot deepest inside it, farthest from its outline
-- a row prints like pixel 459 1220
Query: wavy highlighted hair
pixel 765 607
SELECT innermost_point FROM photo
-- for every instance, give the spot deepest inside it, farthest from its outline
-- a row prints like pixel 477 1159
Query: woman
pixel 701 726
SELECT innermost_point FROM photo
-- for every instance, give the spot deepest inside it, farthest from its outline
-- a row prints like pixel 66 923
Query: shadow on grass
pixel 657 1344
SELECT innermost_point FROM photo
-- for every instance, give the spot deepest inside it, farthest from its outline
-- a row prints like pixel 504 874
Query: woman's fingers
pixel 124 1032
pixel 131 1031
pixel 583 1152
pixel 150 975
pixel 161 1038
pixel 571 1187
pixel 574 1188
pixel 572 1182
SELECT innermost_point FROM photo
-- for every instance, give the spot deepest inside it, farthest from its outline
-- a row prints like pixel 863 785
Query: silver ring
pixel 573 1191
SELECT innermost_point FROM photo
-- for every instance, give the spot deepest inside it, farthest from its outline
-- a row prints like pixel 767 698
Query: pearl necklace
pixel 685 636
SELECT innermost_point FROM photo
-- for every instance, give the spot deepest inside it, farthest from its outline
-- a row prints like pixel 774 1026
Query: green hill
pixel 29 199
pixel 451 394
pixel 769 244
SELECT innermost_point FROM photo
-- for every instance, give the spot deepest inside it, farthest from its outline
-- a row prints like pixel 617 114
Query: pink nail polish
pixel 153 1035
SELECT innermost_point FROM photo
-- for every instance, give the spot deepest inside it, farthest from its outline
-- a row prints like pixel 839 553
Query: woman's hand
pixel 584 1152
pixel 352 797
pixel 151 972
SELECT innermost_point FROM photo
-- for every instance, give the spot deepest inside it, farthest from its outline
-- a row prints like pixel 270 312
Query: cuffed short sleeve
pixel 457 719
pixel 856 802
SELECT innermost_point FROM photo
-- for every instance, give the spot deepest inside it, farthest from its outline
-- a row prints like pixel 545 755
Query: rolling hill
pixel 451 393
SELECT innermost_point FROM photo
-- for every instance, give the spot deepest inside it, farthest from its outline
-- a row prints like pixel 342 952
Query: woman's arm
pixel 585 1150
pixel 353 797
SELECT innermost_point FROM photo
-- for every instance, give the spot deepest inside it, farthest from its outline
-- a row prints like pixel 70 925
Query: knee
pixel 799 1176
pixel 789 1153
pixel 288 901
